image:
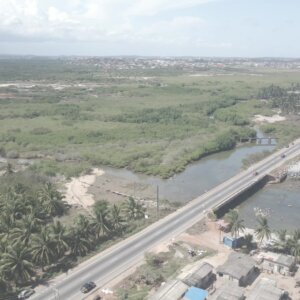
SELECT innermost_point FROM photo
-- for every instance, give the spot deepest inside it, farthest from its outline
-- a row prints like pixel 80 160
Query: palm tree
pixel 237 227
pixel 235 224
pixel 6 224
pixel 17 265
pixel 4 284
pixel 133 209
pixel 60 238
pixel 296 235
pixel 263 230
pixel 25 228
pixel 100 222
pixel 83 224
pixel 52 200
pixel 79 244
pixel 282 242
pixel 117 218
pixel 295 249
pixel 43 252
pixel 232 216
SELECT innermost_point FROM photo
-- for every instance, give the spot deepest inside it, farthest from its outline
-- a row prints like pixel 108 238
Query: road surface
pixel 107 265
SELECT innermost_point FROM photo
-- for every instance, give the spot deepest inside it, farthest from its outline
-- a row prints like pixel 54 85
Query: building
pixel 199 274
pixel 228 291
pixel 239 268
pixel 233 242
pixel 172 290
pixel 265 289
pixel 195 294
pixel 278 263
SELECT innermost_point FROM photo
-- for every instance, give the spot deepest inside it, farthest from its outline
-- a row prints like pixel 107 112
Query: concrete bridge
pixel 265 141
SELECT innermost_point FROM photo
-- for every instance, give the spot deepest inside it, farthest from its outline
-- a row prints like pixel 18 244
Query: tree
pixel 51 200
pixel 295 249
pixel 232 216
pixel 43 252
pixel 133 209
pixel 25 228
pixel 117 218
pixel 6 225
pixel 58 233
pixel 17 265
pixel 100 222
pixel 83 224
pixel 4 284
pixel 281 243
pixel 235 224
pixel 237 227
pixel 79 244
pixel 263 230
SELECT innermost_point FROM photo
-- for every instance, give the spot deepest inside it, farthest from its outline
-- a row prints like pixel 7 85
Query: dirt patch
pixel 266 119
pixel 6 96
pixel 77 189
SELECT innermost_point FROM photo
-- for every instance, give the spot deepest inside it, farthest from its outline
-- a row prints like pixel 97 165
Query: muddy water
pixel 280 203
pixel 198 177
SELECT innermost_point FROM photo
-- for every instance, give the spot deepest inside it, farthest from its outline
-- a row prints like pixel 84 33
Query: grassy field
pixel 71 117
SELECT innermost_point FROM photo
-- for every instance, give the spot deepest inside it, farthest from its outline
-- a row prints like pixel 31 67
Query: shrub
pixel 40 131
pixel 13 154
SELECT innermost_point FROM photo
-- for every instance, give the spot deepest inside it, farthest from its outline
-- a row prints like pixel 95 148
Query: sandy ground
pixel 265 119
pixel 77 189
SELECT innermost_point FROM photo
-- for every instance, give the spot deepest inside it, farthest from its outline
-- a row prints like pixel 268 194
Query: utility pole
pixel 157 201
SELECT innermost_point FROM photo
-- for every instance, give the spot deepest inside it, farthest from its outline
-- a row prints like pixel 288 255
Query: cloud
pixel 103 21
pixel 153 7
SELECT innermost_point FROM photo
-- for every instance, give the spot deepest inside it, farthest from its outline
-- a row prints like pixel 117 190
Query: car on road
pixel 97 297
pixel 283 155
pixel 88 287
pixel 25 294
pixel 255 173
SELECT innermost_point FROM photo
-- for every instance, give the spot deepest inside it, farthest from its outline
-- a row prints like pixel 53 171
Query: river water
pixel 198 177
pixel 280 203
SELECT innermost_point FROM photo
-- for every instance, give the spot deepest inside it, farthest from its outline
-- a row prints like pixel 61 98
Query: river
pixel 281 202
pixel 198 177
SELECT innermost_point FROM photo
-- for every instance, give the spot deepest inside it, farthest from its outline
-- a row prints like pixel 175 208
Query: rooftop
pixel 172 290
pixel 265 289
pixel 237 265
pixel 228 291
pixel 282 259
pixel 285 260
pixel 195 273
pixel 195 294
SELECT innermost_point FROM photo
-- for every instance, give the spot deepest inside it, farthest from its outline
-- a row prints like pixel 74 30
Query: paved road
pixel 112 262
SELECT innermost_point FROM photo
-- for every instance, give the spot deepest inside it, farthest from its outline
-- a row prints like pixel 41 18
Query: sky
pixel 215 28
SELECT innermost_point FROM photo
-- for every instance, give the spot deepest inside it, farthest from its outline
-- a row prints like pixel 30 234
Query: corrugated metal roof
pixel 238 265
pixel 265 289
pixel 194 275
pixel 172 290
pixel 228 291
pixel 195 294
